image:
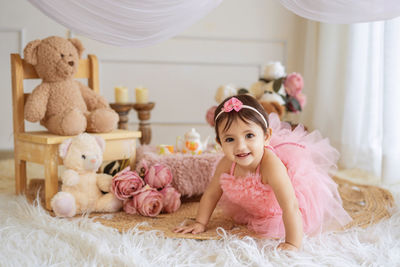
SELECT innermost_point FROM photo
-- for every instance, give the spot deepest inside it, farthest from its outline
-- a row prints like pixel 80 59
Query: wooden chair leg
pixel 20 176
pixel 50 174
pixel 132 158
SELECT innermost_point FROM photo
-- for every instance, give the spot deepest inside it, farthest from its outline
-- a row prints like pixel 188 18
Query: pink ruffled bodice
pixel 250 193
pixel 308 158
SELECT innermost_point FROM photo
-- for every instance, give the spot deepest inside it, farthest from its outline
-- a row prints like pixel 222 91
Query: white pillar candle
pixel 121 95
pixel 142 96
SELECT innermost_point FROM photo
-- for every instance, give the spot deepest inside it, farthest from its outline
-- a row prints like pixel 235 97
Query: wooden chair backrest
pixel 21 70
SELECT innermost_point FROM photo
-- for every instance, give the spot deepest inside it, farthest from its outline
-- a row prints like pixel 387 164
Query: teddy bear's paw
pixel 63 204
pixel 108 203
pixel 102 120
pixel 104 182
pixel 73 122
pixel 70 178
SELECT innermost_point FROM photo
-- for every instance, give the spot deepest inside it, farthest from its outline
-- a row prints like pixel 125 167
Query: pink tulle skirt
pixel 308 158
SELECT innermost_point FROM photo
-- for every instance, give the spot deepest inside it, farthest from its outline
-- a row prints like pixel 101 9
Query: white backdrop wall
pixel 182 74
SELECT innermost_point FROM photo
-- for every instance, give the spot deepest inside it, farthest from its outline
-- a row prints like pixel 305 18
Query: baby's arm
pixel 275 174
pixel 208 201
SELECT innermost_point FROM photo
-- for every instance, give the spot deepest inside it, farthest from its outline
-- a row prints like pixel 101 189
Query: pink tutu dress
pixel 308 158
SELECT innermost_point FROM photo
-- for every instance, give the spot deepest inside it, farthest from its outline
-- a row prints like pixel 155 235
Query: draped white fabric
pixel 135 23
pixel 344 11
pixel 353 73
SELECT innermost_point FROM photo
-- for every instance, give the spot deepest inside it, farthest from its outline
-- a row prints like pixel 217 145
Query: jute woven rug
pixel 365 204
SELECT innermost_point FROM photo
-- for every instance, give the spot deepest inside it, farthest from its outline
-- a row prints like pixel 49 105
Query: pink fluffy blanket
pixel 191 173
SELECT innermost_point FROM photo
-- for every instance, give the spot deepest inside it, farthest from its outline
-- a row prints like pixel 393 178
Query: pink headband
pixel 236 104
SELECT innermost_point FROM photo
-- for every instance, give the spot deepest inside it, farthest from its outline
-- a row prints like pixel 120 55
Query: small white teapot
pixel 192 143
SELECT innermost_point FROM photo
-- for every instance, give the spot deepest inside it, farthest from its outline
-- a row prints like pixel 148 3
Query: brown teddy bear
pixel 63 105
pixel 273 106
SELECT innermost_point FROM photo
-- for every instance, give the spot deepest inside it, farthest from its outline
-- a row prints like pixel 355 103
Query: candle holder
pixel 123 110
pixel 143 113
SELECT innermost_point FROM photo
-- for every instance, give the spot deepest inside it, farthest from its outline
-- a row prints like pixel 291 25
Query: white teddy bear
pixel 271 71
pixel 82 188
pixel 225 91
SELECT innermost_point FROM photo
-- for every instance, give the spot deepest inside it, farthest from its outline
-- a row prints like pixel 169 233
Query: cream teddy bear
pixel 82 188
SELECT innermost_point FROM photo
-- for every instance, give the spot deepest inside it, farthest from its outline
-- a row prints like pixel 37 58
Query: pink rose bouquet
pixel 302 99
pixel 294 84
pixel 158 176
pixel 142 168
pixel 171 199
pixel 126 184
pixel 294 99
pixel 210 115
pixel 148 196
pixel 129 206
pixel 149 202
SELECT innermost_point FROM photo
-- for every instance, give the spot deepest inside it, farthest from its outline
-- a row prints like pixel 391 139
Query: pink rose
pixel 210 115
pixel 129 206
pixel 302 99
pixel 126 183
pixel 171 199
pixel 148 202
pixel 158 176
pixel 293 84
pixel 142 168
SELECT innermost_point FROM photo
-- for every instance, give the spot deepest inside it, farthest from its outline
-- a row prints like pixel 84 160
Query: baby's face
pixel 243 143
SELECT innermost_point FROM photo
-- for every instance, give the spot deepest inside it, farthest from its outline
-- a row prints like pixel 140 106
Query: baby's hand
pixel 195 228
pixel 287 246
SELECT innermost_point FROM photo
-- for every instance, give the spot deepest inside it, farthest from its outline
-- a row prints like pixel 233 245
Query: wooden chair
pixel 41 146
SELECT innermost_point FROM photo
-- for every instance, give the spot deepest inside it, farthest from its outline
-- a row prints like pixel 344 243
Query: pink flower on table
pixel 302 99
pixel 293 84
pixel 142 168
pixel 158 176
pixel 148 202
pixel 126 183
pixel 210 115
pixel 171 199
pixel 129 206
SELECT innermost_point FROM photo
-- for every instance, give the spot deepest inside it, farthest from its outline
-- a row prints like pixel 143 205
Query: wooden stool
pixel 143 116
pixel 123 112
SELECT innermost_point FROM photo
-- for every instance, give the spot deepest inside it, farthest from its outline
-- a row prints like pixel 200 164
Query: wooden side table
pixel 143 113
pixel 123 111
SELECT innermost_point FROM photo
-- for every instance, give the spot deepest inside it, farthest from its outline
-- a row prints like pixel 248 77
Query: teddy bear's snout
pixel 91 163
pixel 71 63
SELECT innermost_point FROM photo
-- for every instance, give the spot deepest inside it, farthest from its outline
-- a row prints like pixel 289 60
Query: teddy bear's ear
pixel 100 141
pixel 78 45
pixel 30 52
pixel 63 148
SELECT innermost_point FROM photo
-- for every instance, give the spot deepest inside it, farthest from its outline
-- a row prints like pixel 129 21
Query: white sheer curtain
pixel 135 23
pixel 344 11
pixel 146 22
pixel 353 76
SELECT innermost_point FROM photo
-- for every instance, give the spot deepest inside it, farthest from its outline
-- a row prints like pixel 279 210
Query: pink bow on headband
pixel 233 104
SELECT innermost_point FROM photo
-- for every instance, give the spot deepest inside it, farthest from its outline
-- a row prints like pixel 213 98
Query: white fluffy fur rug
pixel 30 237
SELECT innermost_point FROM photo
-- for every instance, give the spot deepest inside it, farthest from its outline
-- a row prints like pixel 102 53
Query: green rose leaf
pixel 242 91
pixel 277 84
pixel 285 98
pixel 295 104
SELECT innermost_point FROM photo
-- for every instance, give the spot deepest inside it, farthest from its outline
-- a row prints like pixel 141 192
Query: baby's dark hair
pixel 245 114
